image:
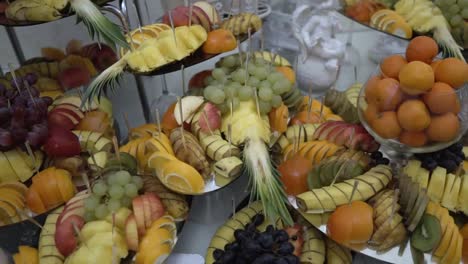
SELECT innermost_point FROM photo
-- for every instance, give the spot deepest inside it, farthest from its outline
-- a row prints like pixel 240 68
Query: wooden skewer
pixel 256 101
pixel 182 70
pixel 29 218
pixel 190 13
pixel 231 10
pixel 13 75
pixel 233 201
pixel 309 103
pixel 93 158
pixel 356 183
pixel 85 179
pixel 206 121
pixel 322 104
pixel 247 58
pixel 116 148
pixel 337 174
pixel 298 141
pixel 31 154
pixel 127 124
pixel 137 17
pixel 172 26
pixel 231 109
pixel 158 121
pixel 262 41
pixel 249 39
pixel 240 53
pixel 182 125
pixel 28 89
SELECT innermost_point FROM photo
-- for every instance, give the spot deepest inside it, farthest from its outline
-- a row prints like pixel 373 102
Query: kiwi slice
pixel 427 235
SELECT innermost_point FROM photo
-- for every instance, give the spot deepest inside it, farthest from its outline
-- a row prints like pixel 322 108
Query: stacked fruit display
pixel 416 100
pixel 249 237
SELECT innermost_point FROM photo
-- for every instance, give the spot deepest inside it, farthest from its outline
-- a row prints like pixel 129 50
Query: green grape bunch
pixel 456 13
pixel 114 191
pixel 232 81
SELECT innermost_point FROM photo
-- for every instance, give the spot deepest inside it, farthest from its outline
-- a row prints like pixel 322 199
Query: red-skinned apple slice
pixel 78 113
pixel 321 132
pixel 66 109
pixel 334 134
pixel 59 120
pixel 131 233
pixel 69 114
pixel 157 208
pixel 198 80
pixel 179 16
pixel 147 211
pixel 62 143
pixel 65 239
pixel 77 209
pixel 209 10
pixel 210 118
pixel 139 212
pixel 78 198
pixel 203 18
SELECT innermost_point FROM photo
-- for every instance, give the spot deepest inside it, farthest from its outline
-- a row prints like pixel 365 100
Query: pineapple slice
pixel 152 55
pixel 452 187
pixel 171 49
pixel 463 196
pixel 423 178
pixel 437 184
pixel 199 32
pixel 137 62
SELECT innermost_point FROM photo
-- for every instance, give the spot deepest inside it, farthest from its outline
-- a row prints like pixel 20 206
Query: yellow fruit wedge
pixel 6 173
pixel 182 178
pixel 152 55
pixel 158 159
pixel 462 204
pixel 12 196
pixel 171 49
pixel 412 168
pixel 8 213
pixel 423 178
pixel 21 168
pixel 451 252
pixel 465 166
pixel 29 254
pixel 448 191
pixel 437 184
pixel 136 61
pixel 18 186
pixel 154 145
pixel 200 33
pixel 445 241
pixel 450 199
pixel 188 38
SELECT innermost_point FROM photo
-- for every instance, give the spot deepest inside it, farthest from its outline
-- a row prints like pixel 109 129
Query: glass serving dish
pixel 394 145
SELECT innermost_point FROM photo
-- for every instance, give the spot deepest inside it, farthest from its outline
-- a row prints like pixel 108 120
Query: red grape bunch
pixel 23 115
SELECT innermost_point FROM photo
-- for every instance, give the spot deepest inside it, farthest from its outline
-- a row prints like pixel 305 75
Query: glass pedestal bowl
pixel 393 147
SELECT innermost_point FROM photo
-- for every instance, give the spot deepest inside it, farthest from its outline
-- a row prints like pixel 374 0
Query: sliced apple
pixel 100 157
pixel 8 213
pixel 21 168
pixel 156 206
pixel 18 186
pixel 103 144
pixel 131 233
pixel 139 212
pixel 69 107
pixel 190 105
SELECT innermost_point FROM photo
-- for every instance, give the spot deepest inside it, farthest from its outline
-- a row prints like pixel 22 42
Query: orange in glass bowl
pixel 419 110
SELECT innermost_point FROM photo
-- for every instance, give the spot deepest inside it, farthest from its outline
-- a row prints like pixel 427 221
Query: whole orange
pixel 453 72
pixel 386 125
pixel 371 87
pixel 442 99
pixel 371 113
pixel 413 115
pixel 423 49
pixel 443 128
pixel 351 224
pixel 388 94
pixel 416 78
pixel 391 66
pixel 434 65
pixel 413 139
pixel 219 41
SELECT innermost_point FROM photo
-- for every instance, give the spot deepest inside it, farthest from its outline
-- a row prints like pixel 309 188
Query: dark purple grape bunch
pixel 252 246
pixel 378 159
pixel 450 158
pixel 23 115
pixel 30 78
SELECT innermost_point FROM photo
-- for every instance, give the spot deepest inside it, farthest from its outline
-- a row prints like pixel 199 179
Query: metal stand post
pixel 15 44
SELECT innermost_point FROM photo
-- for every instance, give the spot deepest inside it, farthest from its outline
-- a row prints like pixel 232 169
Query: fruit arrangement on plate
pixel 57 71
pixel 187 35
pixel 444 20
pixel 416 103
pixel 250 237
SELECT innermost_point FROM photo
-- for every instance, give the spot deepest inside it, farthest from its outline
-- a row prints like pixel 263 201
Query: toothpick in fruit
pixel 93 158
pixel 13 75
pixel 337 174
pixel 158 121
pixel 256 101
pixel 240 53
pixel 249 39
pixel 299 140
pixel 116 149
pixel 172 26
pixel 356 183
pixel 28 89
pixel 190 13
pixel 23 214
pixel 206 121
pixel 309 103
pixel 182 70
pixel 322 103
pixel 231 109
pixel 84 177
pixel 182 125
pixel 31 155
pixel 137 17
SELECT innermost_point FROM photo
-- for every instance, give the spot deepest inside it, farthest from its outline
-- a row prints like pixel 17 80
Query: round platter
pixel 4 21
pixel 197 57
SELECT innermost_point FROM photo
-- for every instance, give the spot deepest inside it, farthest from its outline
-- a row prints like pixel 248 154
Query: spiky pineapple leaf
pixel 97 24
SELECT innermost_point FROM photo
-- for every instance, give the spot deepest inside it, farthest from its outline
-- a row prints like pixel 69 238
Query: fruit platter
pixel 445 21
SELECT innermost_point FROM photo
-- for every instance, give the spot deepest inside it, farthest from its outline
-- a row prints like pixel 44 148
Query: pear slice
pixel 449 200
pixel 437 184
pixel 423 178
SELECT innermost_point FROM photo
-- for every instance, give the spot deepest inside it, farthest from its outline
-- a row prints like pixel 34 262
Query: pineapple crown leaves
pixel 107 79
pixel 265 182
pixel 97 24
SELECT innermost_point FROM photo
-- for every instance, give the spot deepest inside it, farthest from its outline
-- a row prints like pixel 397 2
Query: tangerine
pixel 219 41
pixel 371 113
pixel 413 139
pixel 416 78
pixel 391 66
pixel 413 115
pixel 443 128
pixel 388 94
pixel 168 121
pixel 442 99
pixel 386 125
pixel 453 72
pixel 435 64
pixel 371 87
pixel 423 49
